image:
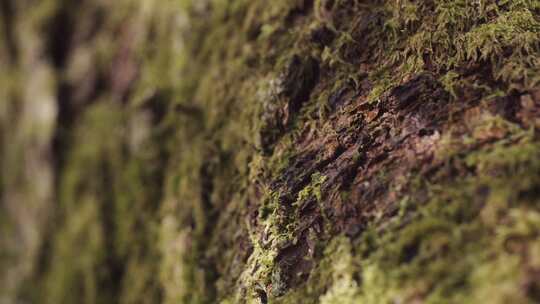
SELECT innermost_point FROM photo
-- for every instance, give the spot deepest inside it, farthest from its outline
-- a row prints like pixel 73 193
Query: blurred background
pixel 83 87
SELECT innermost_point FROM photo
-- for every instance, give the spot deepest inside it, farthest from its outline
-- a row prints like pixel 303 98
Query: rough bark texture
pixel 284 151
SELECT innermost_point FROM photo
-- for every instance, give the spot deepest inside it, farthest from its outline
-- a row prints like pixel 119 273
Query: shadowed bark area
pixel 237 151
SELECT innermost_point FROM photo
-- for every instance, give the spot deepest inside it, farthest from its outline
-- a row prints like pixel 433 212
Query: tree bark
pixel 287 151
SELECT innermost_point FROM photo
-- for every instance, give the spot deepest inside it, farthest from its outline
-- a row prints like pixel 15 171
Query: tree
pixel 305 151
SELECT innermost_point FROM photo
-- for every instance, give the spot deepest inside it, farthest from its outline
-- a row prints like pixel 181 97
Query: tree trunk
pixel 284 151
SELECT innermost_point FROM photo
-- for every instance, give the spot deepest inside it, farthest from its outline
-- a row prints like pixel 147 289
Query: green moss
pixel 262 274
pixel 441 256
pixel 454 35
pixel 313 189
pixel 402 263
pixel 227 74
